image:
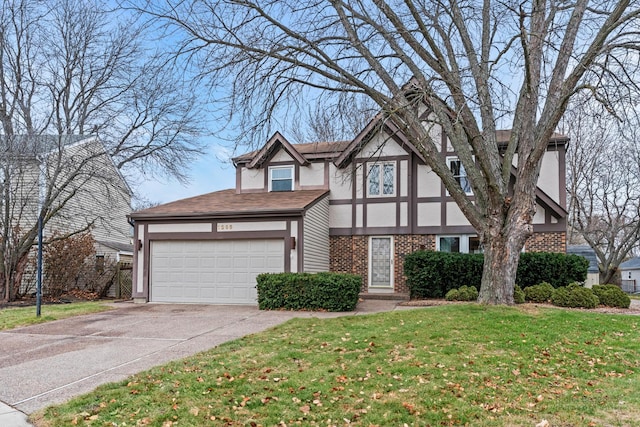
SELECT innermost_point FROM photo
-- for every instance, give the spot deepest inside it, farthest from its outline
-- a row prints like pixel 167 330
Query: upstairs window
pixel 381 179
pixel 459 173
pixel 281 178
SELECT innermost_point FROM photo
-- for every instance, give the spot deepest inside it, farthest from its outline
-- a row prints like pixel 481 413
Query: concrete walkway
pixel 50 363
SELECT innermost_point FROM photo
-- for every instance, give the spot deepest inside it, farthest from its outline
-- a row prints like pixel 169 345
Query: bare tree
pixel 604 183
pixel 69 70
pixel 473 65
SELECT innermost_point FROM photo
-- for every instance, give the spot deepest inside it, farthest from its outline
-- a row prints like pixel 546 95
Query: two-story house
pixel 354 206
pixel 84 187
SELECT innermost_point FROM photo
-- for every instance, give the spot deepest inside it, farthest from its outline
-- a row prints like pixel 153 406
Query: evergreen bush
pixel 464 293
pixel 612 296
pixel 432 274
pixel 452 295
pixel 540 293
pixel 575 297
pixel 518 295
pixel 306 291
pixel 554 268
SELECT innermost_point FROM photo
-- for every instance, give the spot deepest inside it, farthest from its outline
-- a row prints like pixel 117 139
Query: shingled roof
pixel 228 203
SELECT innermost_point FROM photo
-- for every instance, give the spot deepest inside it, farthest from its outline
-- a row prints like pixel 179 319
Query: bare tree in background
pixel 71 69
pixel 604 183
pixel 340 122
pixel 476 66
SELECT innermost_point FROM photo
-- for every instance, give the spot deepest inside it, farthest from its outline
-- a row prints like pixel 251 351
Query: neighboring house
pixel 593 272
pixel 88 190
pixel 630 275
pixel 355 206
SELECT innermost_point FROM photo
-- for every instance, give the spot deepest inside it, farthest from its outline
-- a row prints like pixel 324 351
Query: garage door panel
pixel 221 272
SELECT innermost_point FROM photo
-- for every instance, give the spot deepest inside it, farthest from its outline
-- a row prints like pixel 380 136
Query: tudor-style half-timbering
pixel 354 206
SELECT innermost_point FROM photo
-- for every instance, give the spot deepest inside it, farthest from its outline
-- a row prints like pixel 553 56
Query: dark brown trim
pixel 300 245
pixel 265 180
pixel 353 203
pixel 146 266
pixel 136 262
pixel 229 235
pixel 364 231
pixel 271 147
pixel 287 248
pixel 560 226
pixel 284 213
pixel 327 173
pixel 413 198
pixel 562 159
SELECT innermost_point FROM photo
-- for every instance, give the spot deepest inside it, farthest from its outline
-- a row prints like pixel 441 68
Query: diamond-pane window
pixel 388 179
pixel 374 180
pixel 460 174
pixel 381 179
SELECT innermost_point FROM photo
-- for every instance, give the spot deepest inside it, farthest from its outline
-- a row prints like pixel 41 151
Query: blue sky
pixel 212 172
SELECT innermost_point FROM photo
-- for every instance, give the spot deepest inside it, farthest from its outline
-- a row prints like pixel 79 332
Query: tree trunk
pixel 501 257
pixel 608 276
pixel 11 282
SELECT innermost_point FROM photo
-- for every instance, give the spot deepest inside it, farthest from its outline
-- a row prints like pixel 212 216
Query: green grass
pixel 13 317
pixel 452 365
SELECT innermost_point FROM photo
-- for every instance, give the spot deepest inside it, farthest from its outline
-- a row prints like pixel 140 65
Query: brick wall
pixel 350 254
pixel 547 242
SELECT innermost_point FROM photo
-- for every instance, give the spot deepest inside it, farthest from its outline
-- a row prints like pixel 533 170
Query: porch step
pixel 395 296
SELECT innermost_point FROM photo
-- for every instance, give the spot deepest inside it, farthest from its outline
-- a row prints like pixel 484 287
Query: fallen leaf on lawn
pixel 305 409
pixel 543 423
pixel 194 411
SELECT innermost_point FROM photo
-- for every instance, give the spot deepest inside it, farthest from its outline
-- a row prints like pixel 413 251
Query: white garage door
pixel 218 272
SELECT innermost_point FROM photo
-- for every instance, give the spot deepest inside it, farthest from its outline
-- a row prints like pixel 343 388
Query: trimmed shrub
pixel 306 291
pixel 468 293
pixel 554 268
pixel 433 274
pixel 611 296
pixel 452 295
pixel 518 295
pixel 541 292
pixel 464 293
pixel 574 296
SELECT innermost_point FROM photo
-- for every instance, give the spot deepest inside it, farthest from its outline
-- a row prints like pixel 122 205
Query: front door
pixel 381 263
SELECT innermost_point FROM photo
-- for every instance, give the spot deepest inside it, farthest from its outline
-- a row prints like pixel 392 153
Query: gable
pixel 276 145
pixel 382 145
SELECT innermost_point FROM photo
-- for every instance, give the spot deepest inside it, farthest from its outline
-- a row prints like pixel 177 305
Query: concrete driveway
pixel 50 363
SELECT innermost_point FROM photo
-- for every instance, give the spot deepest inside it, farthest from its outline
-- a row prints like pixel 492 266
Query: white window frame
pixel 451 159
pixel 464 241
pixel 381 165
pixel 273 168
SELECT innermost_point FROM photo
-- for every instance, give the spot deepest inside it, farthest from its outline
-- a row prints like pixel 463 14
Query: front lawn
pixel 452 365
pixel 13 317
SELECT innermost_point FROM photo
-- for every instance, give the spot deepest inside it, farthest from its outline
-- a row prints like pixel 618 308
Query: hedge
pixel 432 274
pixel 554 268
pixel 306 291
